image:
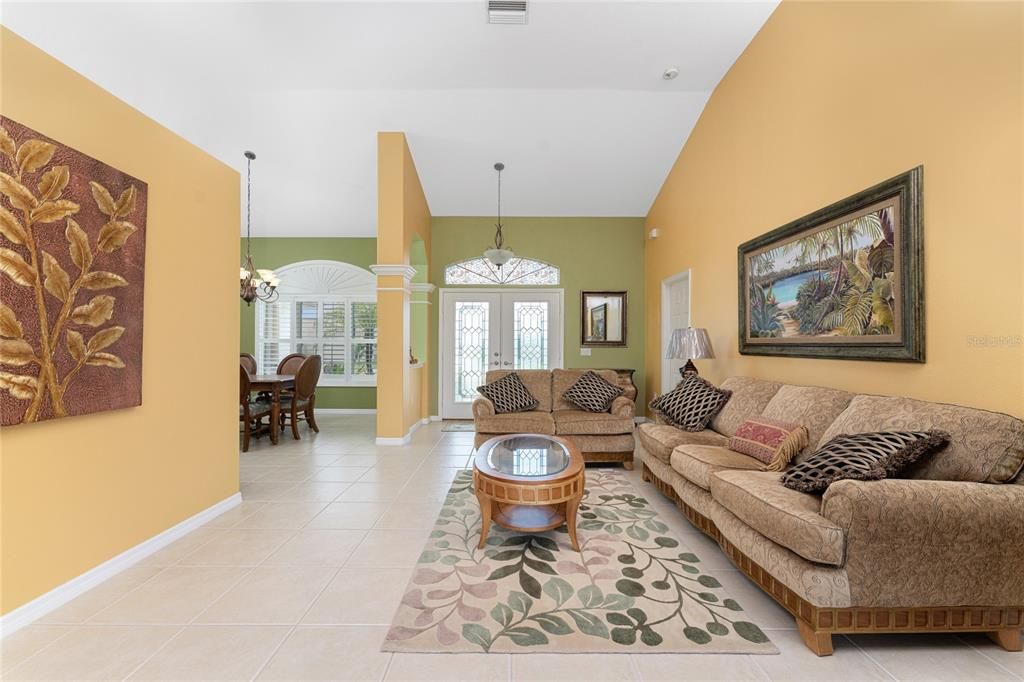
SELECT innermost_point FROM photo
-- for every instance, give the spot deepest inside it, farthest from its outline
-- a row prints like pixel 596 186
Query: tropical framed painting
pixel 844 282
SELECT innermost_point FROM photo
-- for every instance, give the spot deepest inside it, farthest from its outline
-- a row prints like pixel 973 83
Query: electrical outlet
pixel 585 352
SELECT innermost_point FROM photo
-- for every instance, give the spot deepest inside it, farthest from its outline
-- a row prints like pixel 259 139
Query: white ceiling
pixel 573 103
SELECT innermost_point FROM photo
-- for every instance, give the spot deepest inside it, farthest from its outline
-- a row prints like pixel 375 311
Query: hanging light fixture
pixel 261 284
pixel 499 255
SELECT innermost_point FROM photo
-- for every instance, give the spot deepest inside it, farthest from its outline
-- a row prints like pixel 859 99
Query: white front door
pixel 494 329
pixel 675 314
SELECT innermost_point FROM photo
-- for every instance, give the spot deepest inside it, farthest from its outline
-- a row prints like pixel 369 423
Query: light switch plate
pixel 585 352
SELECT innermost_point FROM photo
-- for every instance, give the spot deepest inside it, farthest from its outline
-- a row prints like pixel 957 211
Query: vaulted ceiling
pixel 573 102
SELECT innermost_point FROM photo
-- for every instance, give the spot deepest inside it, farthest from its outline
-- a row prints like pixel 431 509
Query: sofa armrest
pixel 623 407
pixel 930 543
pixel 483 407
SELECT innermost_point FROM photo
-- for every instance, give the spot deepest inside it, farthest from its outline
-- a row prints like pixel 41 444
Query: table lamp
pixel 690 343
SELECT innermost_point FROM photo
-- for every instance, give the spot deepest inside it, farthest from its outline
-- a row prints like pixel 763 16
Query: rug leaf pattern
pixel 633 587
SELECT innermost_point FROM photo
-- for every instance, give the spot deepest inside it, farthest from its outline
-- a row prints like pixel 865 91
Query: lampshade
pixel 689 344
pixel 499 256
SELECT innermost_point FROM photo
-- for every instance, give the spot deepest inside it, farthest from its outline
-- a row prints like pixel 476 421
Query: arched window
pixel 327 308
pixel 517 272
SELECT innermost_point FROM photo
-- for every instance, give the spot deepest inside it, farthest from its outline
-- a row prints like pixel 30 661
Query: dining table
pixel 272 384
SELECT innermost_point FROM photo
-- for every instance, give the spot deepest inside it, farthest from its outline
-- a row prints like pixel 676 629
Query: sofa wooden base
pixel 625 458
pixel 817 624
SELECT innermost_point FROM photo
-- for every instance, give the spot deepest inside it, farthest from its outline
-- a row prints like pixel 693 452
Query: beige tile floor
pixel 300 581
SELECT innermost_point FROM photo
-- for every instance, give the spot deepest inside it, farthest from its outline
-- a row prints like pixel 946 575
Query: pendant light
pixel 499 255
pixel 254 284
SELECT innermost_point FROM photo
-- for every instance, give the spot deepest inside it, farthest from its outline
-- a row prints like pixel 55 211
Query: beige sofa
pixel 601 437
pixel 939 550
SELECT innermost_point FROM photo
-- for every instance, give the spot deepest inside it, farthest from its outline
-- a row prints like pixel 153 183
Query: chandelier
pixel 499 255
pixel 261 284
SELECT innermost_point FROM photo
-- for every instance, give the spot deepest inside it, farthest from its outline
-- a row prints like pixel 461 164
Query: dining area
pixel 270 403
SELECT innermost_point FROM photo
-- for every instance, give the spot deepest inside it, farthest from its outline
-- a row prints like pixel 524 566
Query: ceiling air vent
pixel 506 11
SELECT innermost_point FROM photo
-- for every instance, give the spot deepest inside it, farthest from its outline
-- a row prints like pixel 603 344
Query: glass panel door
pixel 529 334
pixel 531 329
pixel 472 340
pixel 470 348
pixel 514 330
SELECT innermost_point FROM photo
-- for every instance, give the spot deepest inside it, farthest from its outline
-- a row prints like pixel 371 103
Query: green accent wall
pixel 592 253
pixel 275 252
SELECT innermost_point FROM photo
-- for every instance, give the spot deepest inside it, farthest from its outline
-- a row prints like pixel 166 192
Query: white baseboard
pixel 435 418
pixel 641 420
pixel 62 594
pixel 346 410
pixel 404 440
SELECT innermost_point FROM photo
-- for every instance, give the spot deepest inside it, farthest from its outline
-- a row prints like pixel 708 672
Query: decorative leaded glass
pixel 517 272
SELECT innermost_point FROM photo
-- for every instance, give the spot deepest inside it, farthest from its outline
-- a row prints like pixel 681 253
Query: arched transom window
pixel 325 308
pixel 517 272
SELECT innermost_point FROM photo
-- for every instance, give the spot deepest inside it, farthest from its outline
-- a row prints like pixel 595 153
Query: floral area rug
pixel 633 588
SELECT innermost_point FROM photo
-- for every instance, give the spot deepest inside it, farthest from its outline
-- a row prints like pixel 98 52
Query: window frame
pixel 349 379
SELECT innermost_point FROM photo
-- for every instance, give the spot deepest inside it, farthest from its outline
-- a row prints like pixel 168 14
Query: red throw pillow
pixel 770 441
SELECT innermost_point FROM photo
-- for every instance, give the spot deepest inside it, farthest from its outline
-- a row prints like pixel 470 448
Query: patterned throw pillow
pixel 771 441
pixel 691 404
pixel 863 457
pixel 509 394
pixel 593 393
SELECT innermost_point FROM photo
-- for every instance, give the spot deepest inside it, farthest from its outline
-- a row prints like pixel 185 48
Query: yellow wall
pixel 831 98
pixel 79 491
pixel 402 216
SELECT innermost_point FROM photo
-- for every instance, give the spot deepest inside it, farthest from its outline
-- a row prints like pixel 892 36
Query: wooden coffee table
pixel 529 482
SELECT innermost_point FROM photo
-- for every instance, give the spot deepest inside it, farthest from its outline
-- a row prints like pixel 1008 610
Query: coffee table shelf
pixel 529 483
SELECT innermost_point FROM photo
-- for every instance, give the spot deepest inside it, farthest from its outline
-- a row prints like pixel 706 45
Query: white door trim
pixel 666 314
pixel 557 331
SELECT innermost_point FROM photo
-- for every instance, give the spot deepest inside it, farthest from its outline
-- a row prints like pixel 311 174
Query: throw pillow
pixel 593 393
pixel 770 441
pixel 509 394
pixel 691 404
pixel 863 457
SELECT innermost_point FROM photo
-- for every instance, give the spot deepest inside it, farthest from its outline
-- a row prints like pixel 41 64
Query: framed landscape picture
pixel 844 282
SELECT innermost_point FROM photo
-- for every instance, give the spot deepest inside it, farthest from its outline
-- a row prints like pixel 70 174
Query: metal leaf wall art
pixel 71 280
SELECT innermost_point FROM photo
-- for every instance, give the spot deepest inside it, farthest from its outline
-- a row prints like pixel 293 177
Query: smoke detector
pixel 506 11
pixel 670 73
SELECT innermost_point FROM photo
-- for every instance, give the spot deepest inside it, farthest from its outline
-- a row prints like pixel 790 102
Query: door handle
pixel 506 363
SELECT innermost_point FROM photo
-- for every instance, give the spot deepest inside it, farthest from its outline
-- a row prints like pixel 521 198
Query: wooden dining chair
pixel 301 402
pixel 290 363
pixel 249 362
pixel 250 412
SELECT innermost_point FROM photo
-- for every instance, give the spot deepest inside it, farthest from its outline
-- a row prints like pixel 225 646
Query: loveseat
pixel 601 436
pixel 939 549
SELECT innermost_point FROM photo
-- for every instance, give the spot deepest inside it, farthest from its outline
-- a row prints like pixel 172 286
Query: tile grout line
pixel 87 621
pixel 871 658
pixel 190 622
pixel 387 666
pixel 216 599
pixel 45 647
pixel 635 667
pixel 298 621
pixel 982 652
pixel 760 668
pixel 327 583
pixel 160 648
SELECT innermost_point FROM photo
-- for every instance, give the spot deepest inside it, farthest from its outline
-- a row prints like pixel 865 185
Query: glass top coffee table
pixel 530 483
